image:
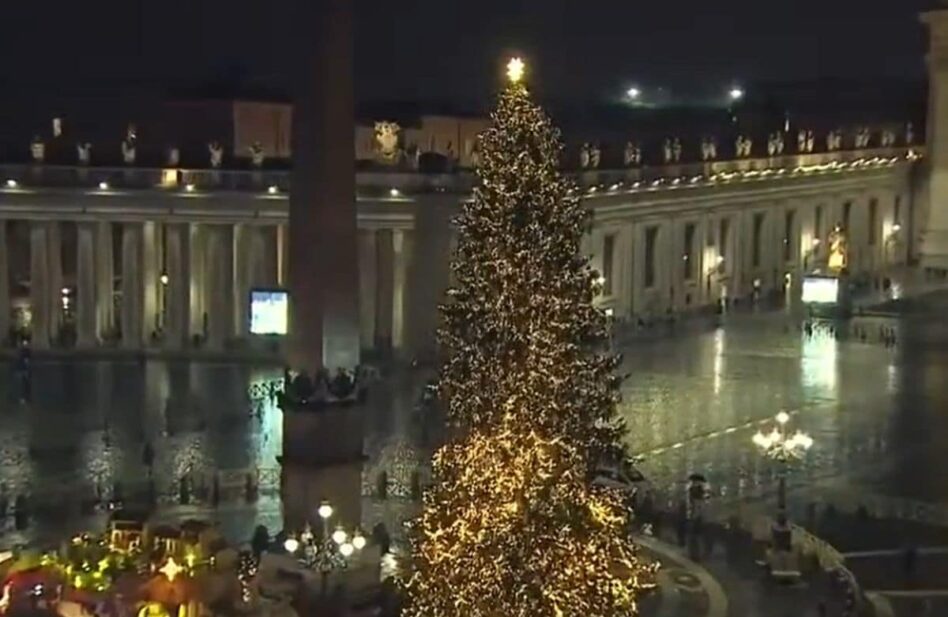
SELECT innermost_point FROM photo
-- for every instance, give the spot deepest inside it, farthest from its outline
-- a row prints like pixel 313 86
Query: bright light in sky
pixel 736 93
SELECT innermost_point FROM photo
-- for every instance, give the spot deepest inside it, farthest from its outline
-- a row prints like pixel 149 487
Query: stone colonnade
pixel 656 261
pixel 174 285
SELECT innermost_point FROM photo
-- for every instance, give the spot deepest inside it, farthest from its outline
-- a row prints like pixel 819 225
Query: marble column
pixel 132 286
pixel 245 260
pixel 55 276
pixel 429 274
pixel 197 239
pixel 104 279
pixel 177 293
pixel 4 285
pixel 402 251
pixel 368 273
pixel 262 266
pixel 86 295
pixel 385 288
pixel 220 273
pixel 151 267
pixel 39 284
pixel 281 254
pixel 271 249
pixel 624 274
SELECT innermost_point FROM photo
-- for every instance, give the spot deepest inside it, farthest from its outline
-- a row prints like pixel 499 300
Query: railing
pixel 395 184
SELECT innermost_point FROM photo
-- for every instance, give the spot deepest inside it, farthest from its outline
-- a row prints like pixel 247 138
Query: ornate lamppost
pixel 330 551
pixel 783 447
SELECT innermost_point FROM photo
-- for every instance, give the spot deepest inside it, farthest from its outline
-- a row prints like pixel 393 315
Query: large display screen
pixel 820 290
pixel 268 311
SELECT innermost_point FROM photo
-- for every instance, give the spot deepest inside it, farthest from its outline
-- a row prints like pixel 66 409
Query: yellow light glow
pixel 515 70
pixel 171 569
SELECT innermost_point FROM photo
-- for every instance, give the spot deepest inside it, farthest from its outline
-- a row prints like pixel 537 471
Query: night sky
pixel 449 49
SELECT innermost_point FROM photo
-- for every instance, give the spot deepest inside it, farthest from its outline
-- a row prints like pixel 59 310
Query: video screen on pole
pixel 268 311
pixel 820 290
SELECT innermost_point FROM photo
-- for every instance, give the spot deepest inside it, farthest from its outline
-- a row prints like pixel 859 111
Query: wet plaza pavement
pixel 692 401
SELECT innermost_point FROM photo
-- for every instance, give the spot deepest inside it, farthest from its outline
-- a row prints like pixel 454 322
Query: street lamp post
pixel 783 447
pixel 331 551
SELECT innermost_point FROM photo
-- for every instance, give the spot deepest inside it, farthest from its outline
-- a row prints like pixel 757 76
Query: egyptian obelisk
pixel 323 264
pixel 322 448
pixel 934 245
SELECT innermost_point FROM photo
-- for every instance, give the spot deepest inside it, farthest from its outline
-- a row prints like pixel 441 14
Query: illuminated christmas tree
pixel 512 525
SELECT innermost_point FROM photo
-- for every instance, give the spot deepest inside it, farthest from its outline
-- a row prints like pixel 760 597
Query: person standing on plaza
pixel 681 523
pixel 148 457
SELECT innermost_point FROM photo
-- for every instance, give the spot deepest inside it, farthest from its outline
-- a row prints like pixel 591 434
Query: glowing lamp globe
pixel 324 511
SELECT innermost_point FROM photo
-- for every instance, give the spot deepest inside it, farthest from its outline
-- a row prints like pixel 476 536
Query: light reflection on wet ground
pixel 879 416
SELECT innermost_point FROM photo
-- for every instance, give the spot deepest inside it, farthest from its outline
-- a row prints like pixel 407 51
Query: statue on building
pixel 909 134
pixel 84 153
pixel 806 141
pixel 449 152
pixel 632 156
pixel 386 140
pixel 838 257
pixel 475 156
pixel 667 153
pixel 595 154
pixel 862 138
pixel 709 149
pixel 128 151
pixel 834 140
pixel 887 139
pixel 676 150
pixel 743 146
pixel 584 156
pixel 57 127
pixel 174 156
pixel 775 144
pixel 216 151
pixel 256 155
pixel 414 152
pixel 37 149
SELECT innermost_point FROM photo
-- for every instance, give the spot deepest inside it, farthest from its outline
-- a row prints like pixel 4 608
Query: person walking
pixel 148 457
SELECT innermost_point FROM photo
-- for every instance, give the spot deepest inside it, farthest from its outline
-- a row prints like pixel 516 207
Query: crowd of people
pixel 885 334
